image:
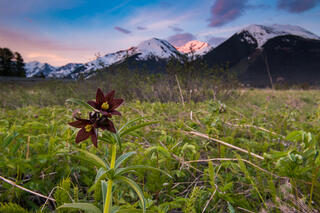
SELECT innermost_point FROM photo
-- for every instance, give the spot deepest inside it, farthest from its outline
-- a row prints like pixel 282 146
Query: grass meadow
pixel 226 148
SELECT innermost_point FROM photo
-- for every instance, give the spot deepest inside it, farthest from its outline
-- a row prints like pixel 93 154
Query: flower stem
pixel 108 202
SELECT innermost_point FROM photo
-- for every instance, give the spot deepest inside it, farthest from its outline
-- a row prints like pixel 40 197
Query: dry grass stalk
pixel 224 143
pixel 181 95
pixel 24 189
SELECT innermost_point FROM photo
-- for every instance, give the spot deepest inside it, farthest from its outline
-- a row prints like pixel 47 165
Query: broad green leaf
pixel 93 159
pixel 87 207
pixel 137 189
pixel 123 157
pixel 122 171
pixel 80 102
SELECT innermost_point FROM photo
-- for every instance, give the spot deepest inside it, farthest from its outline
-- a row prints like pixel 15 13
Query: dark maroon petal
pixel 82 135
pixel 109 97
pixel 96 125
pixel 115 103
pixel 78 124
pixel 110 126
pixel 84 120
pixel 99 97
pixel 105 113
pixel 115 112
pixel 93 104
pixel 94 137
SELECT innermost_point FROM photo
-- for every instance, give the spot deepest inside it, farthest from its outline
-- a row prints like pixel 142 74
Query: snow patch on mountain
pixel 263 33
pixel 64 71
pixel 195 47
pixel 38 69
pixel 153 48
pixel 156 48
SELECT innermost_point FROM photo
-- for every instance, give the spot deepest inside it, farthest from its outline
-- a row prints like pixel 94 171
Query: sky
pixel 64 31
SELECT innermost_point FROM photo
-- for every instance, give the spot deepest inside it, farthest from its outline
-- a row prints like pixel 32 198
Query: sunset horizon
pixel 77 31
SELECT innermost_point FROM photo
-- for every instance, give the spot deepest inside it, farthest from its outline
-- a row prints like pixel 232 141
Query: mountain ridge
pixel 246 44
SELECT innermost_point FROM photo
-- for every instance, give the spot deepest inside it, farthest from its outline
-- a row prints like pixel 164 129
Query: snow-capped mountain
pixel 287 48
pixel 37 69
pixel 195 47
pixel 63 71
pixel 289 52
pixel 260 34
pixel 156 48
pixel 153 48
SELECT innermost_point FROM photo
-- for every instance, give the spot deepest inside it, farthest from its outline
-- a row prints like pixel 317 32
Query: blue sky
pixel 64 31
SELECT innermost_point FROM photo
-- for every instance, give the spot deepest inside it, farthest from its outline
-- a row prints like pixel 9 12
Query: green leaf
pixel 87 207
pixel 104 187
pixel 122 171
pixel 6 142
pixel 93 159
pixel 100 178
pixel 115 209
pixel 137 189
pixel 230 208
pixel 122 158
pixel 135 127
pixel 129 123
pixel 80 102
pixel 132 211
pixel 158 149
pixel 100 172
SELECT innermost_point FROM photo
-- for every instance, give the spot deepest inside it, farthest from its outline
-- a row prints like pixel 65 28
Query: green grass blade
pixel 129 123
pixel 81 103
pixel 133 128
pixel 137 189
pixel 122 158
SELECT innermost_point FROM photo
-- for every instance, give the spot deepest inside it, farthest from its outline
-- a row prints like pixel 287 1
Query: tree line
pixel 11 63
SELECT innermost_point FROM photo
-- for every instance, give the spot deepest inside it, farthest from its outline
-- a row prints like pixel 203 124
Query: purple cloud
pixel 225 11
pixel 122 30
pixel 297 6
pixel 141 28
pixel 180 39
pixel 176 29
pixel 215 41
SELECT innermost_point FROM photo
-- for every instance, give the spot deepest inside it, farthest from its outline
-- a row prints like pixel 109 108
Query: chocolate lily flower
pixel 87 129
pixel 106 104
pixel 105 124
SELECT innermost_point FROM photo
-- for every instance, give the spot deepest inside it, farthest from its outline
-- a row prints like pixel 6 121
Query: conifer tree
pixel 11 64
pixel 20 71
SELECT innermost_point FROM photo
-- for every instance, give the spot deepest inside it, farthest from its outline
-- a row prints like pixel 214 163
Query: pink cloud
pixel 36 47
